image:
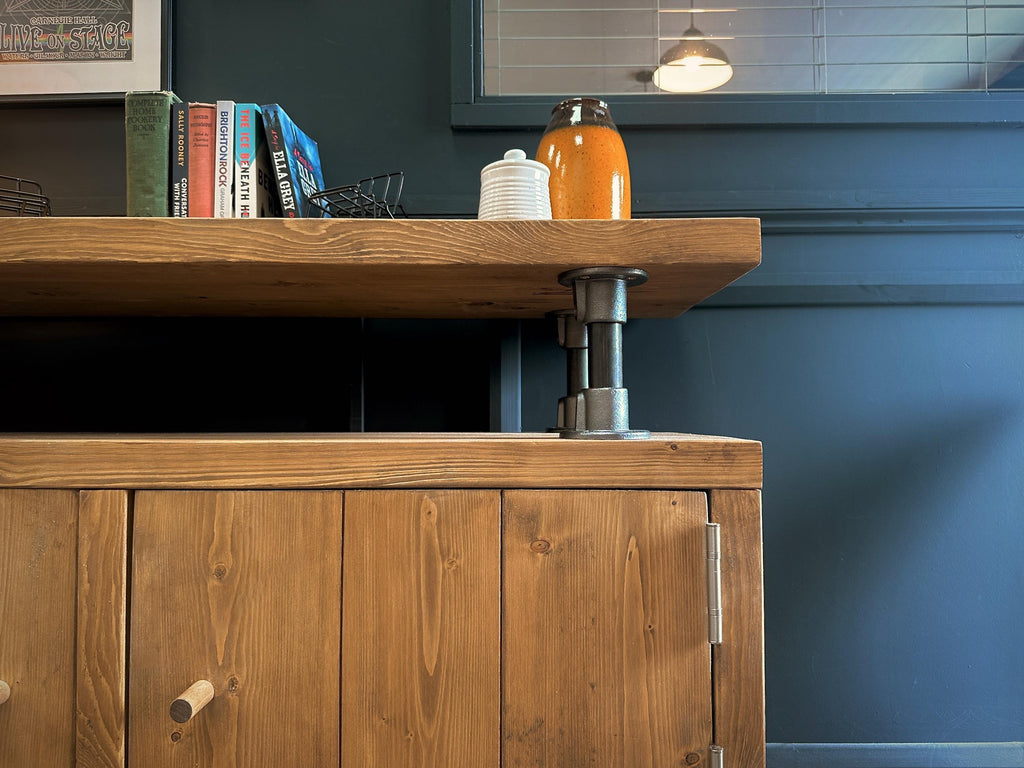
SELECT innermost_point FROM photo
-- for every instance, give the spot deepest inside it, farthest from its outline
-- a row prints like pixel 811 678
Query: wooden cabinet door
pixel 606 659
pixel 38 553
pixel 63 666
pixel 242 589
pixel 420 672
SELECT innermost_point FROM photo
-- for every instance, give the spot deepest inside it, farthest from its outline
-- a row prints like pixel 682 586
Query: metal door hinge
pixel 714 554
pixel 717 757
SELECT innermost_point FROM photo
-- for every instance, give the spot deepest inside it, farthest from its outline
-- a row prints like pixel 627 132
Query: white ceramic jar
pixel 514 188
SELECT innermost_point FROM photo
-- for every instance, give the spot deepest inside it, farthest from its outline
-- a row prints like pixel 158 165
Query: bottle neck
pixel 581 111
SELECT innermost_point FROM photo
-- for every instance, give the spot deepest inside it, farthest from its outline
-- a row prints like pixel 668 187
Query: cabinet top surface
pixel 429 268
pixel 383 460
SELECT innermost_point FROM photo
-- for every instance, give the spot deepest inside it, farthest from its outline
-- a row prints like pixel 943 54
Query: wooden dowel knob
pixel 195 697
pixel 5 691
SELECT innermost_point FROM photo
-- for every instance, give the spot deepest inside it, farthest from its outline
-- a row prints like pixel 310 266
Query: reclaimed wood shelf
pixel 411 268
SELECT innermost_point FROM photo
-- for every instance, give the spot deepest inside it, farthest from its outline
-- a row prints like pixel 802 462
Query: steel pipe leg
pixel 599 294
pixel 572 337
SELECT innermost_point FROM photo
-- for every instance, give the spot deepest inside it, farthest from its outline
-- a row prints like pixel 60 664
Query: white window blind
pixel 611 47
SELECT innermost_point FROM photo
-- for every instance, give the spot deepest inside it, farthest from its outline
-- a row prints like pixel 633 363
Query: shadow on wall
pixel 889 587
pixel 893 504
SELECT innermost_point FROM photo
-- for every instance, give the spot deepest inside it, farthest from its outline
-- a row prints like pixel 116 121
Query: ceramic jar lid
pixel 515 159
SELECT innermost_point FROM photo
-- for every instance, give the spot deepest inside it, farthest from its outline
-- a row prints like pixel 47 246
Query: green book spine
pixel 147 131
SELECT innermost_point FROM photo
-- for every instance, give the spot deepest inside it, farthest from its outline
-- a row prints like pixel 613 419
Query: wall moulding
pixel 997 754
pixel 800 214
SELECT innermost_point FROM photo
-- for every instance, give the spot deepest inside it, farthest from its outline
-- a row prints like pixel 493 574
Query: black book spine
pixel 179 160
pixel 279 163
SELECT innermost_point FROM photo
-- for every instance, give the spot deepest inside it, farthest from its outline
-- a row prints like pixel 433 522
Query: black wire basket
pixel 375 197
pixel 21 197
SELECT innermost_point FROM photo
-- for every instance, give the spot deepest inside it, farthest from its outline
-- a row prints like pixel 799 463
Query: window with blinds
pixel 613 47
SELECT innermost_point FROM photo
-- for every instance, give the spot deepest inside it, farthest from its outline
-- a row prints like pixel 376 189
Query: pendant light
pixel 693 64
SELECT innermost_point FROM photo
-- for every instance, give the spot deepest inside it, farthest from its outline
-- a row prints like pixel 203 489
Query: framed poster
pixel 82 49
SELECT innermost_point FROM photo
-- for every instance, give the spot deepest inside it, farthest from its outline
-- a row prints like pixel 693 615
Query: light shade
pixel 692 65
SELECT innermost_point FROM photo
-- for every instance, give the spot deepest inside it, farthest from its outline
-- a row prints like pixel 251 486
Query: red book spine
pixel 201 159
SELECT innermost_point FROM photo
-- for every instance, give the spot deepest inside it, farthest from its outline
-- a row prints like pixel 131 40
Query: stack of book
pixel 221 159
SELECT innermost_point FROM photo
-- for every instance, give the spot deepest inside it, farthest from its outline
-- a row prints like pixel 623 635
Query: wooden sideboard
pixel 372 599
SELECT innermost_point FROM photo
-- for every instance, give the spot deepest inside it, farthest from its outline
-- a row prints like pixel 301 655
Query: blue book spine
pixel 246 118
pixel 255 190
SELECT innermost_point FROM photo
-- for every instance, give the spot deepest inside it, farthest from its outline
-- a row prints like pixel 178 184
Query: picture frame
pixel 51 54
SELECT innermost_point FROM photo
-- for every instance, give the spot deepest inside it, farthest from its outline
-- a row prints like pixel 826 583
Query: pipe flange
pixel 631 275
pixel 605 434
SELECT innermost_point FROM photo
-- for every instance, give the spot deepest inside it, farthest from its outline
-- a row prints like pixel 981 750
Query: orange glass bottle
pixel 589 169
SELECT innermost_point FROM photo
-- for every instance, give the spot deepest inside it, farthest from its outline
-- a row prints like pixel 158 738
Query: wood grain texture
pixel 739 660
pixel 37 626
pixel 420 670
pixel 102 626
pixel 357 267
pixel 242 589
pixel 437 460
pixel 605 652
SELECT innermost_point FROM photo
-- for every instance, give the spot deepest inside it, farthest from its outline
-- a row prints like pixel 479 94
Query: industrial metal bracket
pixel 599 296
pixel 572 337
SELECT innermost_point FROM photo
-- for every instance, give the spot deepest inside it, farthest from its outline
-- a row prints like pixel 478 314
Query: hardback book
pixel 296 161
pixel 224 162
pixel 255 189
pixel 202 117
pixel 179 159
pixel 147 126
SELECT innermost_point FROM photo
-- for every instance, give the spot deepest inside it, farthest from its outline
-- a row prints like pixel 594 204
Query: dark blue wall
pixel 878 352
